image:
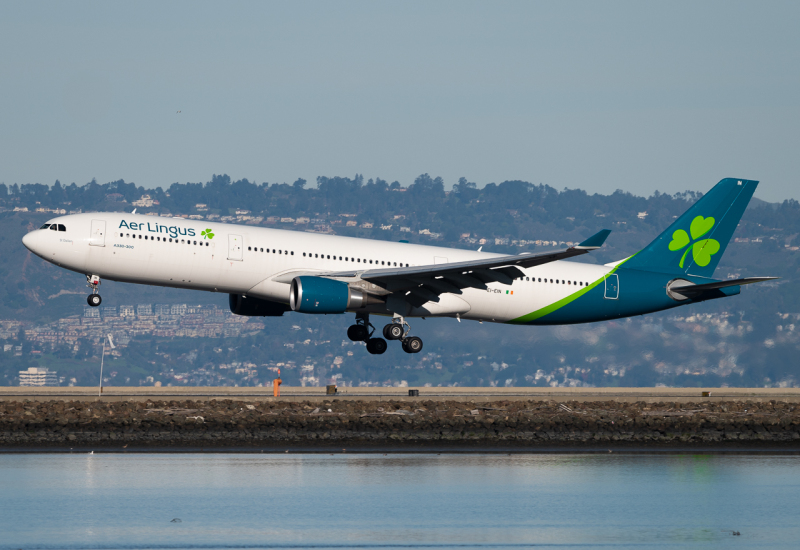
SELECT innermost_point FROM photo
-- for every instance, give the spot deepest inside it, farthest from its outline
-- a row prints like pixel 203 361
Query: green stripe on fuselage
pixel 539 313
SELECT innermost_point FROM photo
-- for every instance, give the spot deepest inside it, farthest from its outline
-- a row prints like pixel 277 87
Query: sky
pixel 638 96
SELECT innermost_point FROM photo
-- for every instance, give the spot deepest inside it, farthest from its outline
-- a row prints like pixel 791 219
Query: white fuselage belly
pixel 125 255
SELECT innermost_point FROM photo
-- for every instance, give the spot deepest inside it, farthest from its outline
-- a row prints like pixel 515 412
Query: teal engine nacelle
pixel 321 295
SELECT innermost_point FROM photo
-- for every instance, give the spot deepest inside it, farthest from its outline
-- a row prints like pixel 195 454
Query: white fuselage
pixel 261 262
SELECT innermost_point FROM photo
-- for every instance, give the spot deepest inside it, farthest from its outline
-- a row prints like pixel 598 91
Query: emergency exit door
pixel 612 286
pixel 97 237
pixel 235 247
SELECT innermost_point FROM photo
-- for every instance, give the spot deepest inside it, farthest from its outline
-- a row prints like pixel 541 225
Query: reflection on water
pixel 387 501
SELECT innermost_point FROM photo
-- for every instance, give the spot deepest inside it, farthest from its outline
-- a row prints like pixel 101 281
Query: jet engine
pixel 255 307
pixel 321 295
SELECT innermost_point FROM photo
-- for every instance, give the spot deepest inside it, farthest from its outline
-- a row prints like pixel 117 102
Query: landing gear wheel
pixel 376 346
pixel 94 300
pixel 358 333
pixel 393 331
pixel 412 344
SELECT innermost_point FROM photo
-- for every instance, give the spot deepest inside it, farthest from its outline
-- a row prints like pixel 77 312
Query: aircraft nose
pixel 29 240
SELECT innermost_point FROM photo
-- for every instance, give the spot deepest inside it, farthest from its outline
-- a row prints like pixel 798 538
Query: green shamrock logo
pixel 701 250
pixel 207 234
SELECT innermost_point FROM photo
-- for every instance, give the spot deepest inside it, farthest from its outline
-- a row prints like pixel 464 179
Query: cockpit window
pixel 53 227
pixel 61 227
pixel 45 226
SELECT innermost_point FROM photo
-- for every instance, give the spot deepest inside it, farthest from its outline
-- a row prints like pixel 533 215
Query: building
pixel 145 201
pixel 91 312
pixel 37 377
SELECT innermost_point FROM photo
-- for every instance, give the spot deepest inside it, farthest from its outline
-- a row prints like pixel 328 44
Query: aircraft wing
pixel 426 282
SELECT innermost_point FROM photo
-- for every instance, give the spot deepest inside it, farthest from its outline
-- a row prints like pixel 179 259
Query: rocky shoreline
pixel 339 423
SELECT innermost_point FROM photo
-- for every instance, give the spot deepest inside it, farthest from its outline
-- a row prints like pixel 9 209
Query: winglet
pixel 595 241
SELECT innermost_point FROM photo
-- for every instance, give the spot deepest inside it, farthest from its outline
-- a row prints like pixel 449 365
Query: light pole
pixel 102 358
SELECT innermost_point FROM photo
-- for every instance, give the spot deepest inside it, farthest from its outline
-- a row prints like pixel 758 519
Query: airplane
pixel 268 272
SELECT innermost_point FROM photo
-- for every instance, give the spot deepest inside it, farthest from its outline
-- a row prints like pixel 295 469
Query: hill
pixel 747 340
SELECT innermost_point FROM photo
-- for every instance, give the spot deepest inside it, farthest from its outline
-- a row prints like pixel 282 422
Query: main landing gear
pixel 398 329
pixel 94 298
pixel 362 331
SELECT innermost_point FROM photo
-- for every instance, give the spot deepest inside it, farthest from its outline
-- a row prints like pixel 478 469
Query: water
pixel 398 501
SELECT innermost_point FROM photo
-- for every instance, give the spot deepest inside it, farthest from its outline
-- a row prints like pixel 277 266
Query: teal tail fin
pixel 694 244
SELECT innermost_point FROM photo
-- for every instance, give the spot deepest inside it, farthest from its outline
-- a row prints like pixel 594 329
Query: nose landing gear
pixel 94 298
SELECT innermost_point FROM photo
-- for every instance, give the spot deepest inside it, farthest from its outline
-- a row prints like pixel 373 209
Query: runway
pixel 471 394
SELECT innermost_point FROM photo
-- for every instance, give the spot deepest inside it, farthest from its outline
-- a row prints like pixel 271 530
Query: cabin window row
pixel 274 251
pixel 556 281
pixel 160 239
pixel 357 260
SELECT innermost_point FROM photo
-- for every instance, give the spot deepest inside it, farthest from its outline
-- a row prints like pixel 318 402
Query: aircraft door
pixel 97 236
pixel 612 287
pixel 235 247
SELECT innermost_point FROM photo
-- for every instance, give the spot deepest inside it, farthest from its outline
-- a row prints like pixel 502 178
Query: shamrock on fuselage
pixel 702 250
pixel 207 234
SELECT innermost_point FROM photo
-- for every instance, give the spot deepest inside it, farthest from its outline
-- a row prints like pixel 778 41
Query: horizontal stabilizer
pixel 681 289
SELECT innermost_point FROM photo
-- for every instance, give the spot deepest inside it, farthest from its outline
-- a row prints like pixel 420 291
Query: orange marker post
pixel 276 385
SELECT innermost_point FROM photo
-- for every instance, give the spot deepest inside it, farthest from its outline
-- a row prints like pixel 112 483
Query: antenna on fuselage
pixel 134 211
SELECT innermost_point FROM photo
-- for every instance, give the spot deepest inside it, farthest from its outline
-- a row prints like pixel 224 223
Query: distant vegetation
pixel 751 345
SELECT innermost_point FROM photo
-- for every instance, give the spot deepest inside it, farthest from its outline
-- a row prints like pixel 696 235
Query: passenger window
pixel 140 236
pixel 329 256
pixel 61 227
pixel 45 226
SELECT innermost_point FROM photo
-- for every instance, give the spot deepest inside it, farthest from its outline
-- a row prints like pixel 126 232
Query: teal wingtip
pixel 596 240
